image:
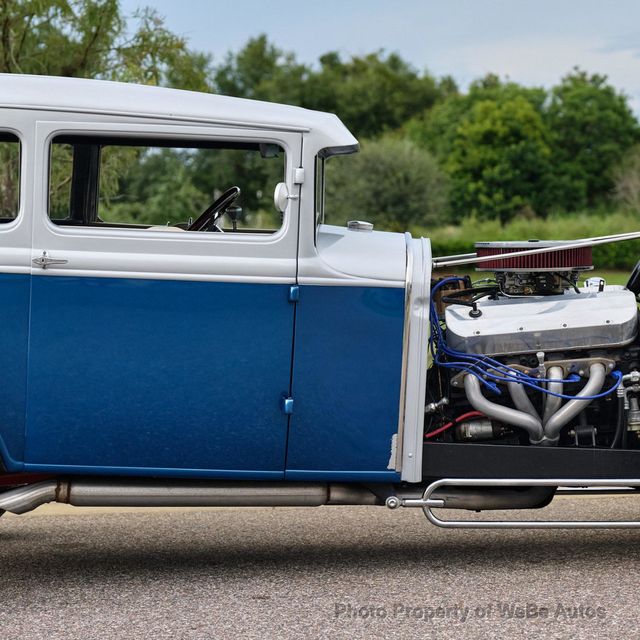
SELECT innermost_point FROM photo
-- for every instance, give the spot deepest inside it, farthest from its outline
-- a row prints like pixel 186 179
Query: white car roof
pixel 117 98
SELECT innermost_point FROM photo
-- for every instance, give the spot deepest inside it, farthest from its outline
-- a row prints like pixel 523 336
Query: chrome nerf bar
pixel 427 504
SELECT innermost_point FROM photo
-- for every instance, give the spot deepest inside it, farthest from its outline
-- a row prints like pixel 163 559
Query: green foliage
pixel 91 39
pixel 157 186
pixel 261 71
pixel 372 94
pixel 563 160
pixel 436 129
pixel 9 179
pixel 392 183
pixel 626 176
pixel 591 127
pixel 499 164
pixel 506 150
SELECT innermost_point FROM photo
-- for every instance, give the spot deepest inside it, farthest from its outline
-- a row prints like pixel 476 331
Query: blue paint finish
pixel 152 472
pixel 7 462
pixel 14 334
pixel 346 382
pixel 343 476
pixel 158 375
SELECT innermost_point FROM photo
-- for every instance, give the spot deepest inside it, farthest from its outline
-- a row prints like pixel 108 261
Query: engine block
pixel 588 319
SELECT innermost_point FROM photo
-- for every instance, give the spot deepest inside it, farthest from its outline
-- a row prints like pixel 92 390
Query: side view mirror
pixel 281 196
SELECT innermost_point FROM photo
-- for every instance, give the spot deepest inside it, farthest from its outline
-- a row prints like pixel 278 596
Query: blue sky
pixel 532 42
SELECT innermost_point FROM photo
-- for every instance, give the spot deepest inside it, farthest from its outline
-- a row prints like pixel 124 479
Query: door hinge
pixel 45 261
pixel 298 176
pixel 294 293
pixel 286 404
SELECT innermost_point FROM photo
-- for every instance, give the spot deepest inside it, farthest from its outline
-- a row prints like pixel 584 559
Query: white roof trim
pixel 100 97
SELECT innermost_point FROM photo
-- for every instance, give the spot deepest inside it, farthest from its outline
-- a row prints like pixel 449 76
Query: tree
pixel 392 183
pixel 436 129
pixel 626 178
pixel 591 127
pixel 371 94
pixel 262 71
pixel 91 39
pixel 500 161
pixel 9 177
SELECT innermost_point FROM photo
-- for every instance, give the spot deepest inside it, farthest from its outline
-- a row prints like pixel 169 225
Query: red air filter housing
pixel 578 259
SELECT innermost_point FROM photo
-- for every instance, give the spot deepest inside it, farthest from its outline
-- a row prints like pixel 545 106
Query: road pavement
pixel 329 572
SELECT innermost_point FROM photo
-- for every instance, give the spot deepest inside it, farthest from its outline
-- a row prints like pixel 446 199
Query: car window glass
pixel 9 177
pixel 137 184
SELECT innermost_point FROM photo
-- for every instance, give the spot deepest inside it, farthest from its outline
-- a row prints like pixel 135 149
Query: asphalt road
pixel 331 572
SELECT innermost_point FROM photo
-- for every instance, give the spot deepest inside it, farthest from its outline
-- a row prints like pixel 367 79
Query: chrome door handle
pixel 45 261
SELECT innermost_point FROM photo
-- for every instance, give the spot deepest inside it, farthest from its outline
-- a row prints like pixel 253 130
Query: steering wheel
pixel 206 221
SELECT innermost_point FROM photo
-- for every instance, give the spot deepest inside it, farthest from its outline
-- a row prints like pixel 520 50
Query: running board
pixel 428 502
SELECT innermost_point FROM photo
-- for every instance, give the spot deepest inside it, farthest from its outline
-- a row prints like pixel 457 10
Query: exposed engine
pixel 531 355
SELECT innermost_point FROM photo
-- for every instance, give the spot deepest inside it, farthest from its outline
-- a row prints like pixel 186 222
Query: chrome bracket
pixel 427 503
pixel 45 261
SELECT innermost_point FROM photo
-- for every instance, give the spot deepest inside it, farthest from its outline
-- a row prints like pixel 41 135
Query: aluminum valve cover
pixel 568 321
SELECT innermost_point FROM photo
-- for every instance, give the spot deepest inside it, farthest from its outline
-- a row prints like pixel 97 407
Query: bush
pixel 392 183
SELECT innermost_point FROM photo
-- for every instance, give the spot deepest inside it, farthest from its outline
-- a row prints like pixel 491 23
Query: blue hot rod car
pixel 214 342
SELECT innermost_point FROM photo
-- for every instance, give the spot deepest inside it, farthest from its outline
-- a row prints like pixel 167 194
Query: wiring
pixel 488 370
pixel 464 416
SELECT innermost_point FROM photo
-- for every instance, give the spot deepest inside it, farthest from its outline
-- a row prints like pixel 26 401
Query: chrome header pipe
pixel 552 403
pixel 572 408
pixel 532 425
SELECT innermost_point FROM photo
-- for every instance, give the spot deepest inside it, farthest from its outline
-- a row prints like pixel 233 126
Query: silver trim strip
pixel 405 350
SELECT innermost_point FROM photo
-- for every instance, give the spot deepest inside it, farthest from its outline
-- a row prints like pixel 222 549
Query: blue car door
pixel 156 350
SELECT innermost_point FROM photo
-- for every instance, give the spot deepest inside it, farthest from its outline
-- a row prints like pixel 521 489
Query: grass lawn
pixel 612 277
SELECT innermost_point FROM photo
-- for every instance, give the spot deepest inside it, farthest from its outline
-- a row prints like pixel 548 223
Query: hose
pixel 620 422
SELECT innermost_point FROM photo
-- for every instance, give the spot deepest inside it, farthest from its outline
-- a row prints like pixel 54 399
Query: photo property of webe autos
pixel 172 338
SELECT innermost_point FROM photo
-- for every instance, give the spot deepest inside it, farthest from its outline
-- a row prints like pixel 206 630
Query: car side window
pixel 186 185
pixel 9 177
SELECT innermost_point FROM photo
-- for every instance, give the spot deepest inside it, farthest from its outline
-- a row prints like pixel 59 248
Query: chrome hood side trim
pixel 414 363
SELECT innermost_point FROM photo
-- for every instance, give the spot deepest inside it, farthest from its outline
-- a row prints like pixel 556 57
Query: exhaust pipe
pixel 532 425
pixel 28 498
pixel 155 493
pixel 554 424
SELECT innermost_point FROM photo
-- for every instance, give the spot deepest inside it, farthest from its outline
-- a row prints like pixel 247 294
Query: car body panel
pixel 158 374
pixel 158 354
pixel 346 383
